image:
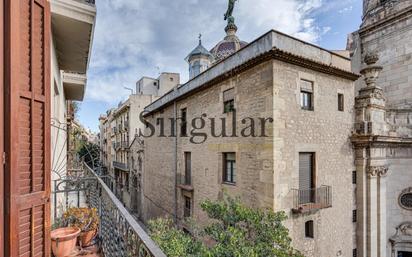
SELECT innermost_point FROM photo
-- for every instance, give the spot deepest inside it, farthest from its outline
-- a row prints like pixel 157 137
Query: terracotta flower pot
pixel 87 237
pixel 64 241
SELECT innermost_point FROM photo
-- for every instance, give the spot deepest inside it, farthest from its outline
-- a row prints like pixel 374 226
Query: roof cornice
pixel 273 54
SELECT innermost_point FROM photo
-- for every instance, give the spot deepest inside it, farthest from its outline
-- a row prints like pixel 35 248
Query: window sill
pixel 229 183
pixel 307 109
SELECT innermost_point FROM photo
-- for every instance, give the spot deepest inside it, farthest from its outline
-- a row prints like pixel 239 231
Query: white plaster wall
pixel 58 129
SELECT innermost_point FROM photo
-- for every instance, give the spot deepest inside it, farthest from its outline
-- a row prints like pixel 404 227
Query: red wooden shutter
pixel 1 129
pixel 27 175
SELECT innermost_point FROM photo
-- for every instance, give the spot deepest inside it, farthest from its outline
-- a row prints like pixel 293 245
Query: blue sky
pixel 135 38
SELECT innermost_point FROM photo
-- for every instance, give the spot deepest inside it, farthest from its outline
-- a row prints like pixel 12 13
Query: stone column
pixel 371 189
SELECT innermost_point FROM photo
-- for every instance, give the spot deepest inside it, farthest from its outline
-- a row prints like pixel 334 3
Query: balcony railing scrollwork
pixel 119 233
pixel 308 200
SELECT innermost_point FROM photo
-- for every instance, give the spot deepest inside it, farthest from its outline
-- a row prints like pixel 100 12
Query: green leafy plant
pixel 86 219
pixel 235 231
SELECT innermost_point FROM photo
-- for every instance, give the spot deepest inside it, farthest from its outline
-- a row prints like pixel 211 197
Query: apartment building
pixel 269 123
pixel 121 125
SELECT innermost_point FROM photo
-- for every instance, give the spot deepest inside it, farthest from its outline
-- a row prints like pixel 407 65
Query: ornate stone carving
pixel 371 58
pixel 404 229
pixel 372 71
pixel 405 199
pixel 377 171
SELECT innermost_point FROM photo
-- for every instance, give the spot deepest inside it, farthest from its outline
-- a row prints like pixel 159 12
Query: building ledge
pixel 310 207
pixel 120 166
pixel 74 85
pixel 73 28
pixel 188 188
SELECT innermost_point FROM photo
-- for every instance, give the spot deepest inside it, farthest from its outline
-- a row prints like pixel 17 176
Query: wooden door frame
pixel 1 129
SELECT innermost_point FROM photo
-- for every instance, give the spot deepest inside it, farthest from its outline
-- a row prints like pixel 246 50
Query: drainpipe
pixel 175 158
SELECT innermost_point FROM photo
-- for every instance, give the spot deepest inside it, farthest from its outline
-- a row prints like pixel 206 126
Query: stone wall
pixel 267 168
pixel 326 132
pixel 253 155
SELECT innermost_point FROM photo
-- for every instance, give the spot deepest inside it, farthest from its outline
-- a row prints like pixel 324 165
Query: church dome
pixel 229 45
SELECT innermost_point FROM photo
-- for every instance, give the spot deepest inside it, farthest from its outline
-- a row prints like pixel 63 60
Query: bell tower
pixel 199 60
pixel 369 5
pixel 383 110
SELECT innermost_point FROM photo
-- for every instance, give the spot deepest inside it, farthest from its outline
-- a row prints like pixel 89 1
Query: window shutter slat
pixel 305 171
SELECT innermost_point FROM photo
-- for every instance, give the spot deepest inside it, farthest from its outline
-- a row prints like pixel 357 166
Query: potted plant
pixel 64 240
pixel 87 220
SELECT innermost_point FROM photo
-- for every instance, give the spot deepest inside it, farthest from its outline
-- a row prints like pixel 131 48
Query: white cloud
pixel 346 9
pixel 133 37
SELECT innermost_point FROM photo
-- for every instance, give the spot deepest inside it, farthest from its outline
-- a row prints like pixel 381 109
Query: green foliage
pixel 236 231
pixel 90 152
pixel 174 242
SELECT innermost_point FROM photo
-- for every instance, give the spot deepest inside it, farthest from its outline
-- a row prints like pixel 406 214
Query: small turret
pixel 200 59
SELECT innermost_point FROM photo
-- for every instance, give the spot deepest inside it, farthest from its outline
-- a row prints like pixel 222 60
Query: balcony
pixel 74 85
pixel 120 166
pixel 309 200
pixel 185 183
pixel 73 24
pixel 125 144
pixel 119 233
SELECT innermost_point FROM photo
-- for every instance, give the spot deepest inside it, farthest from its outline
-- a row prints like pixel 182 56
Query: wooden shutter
pixel 1 129
pixel 27 176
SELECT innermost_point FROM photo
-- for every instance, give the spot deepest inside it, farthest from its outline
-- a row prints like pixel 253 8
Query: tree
pixel 236 231
pixel 90 153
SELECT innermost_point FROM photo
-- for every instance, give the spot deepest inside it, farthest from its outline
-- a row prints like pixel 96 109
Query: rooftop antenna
pixel 131 90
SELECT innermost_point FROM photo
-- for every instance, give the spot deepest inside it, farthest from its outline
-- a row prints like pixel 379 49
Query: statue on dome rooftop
pixel 229 13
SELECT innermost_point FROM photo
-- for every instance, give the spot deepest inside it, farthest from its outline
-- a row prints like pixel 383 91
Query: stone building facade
pixel 300 98
pixel 382 50
pixel 119 128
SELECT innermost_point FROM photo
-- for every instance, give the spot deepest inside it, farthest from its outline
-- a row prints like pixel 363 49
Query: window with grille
pixel 188 207
pixel 229 168
pixel 229 100
pixel 309 233
pixel 354 216
pixel 306 95
pixel 341 102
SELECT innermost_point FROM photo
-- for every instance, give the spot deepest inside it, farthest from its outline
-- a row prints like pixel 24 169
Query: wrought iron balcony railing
pixel 125 144
pixel 119 234
pixel 185 182
pixel 311 199
pixel 120 165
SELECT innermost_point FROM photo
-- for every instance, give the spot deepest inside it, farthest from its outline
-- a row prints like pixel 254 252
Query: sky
pixel 135 38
